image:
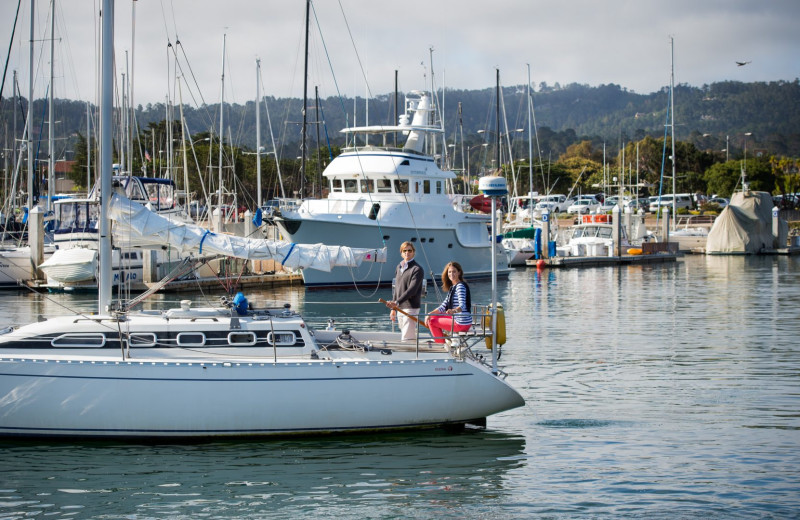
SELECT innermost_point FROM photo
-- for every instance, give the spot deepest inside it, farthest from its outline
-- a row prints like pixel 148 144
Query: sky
pixel 357 45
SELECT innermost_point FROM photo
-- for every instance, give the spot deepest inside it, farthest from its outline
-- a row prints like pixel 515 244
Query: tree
pixel 577 173
pixel 77 173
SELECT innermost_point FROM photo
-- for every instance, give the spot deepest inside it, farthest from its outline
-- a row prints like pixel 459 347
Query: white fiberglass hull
pixel 435 248
pixel 15 266
pixel 217 391
pixel 173 399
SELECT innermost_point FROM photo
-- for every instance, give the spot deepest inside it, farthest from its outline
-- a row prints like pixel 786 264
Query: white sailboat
pixel 381 196
pixel 232 370
pixel 73 265
pixel 227 371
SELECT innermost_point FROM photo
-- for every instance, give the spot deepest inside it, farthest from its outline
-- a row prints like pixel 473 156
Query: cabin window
pixel 158 194
pixel 439 187
pixel 336 185
pixel 133 190
pixel 351 186
pixel 416 187
pixel 367 186
pixel 242 338
pixel 79 340
pixel 405 162
pixel 384 185
pixel 142 339
pixel 282 338
pixel 426 186
pixel 401 186
pixel 191 339
pixel 604 232
pixel 77 216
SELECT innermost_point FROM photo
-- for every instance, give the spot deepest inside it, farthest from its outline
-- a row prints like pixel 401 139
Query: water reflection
pixel 296 477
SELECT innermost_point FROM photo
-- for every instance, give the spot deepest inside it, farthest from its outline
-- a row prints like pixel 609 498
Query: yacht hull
pixel 435 248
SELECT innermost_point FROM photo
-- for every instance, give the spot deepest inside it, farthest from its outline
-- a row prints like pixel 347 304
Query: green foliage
pixel 722 178
pixel 576 123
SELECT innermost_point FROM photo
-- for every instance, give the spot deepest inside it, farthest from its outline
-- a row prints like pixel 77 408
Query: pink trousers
pixel 443 322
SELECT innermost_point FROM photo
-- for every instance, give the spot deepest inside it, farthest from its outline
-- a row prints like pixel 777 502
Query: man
pixel 407 292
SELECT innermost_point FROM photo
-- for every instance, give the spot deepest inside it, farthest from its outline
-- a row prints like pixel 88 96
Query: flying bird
pixel 742 63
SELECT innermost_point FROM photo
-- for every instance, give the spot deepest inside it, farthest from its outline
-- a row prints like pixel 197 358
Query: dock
pixel 605 261
pixel 205 283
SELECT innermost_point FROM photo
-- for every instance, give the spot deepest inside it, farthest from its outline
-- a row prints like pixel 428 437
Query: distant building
pixel 63 184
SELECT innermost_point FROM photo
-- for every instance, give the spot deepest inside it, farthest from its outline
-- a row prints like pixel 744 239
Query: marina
pixel 651 391
pixel 177 343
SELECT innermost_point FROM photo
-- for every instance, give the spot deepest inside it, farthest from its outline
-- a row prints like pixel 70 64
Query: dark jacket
pixel 408 286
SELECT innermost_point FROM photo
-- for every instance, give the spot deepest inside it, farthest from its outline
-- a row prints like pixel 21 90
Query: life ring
pixel 635 251
pixel 501 326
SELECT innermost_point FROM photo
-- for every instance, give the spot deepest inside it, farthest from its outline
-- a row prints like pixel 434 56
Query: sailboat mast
pixel 29 123
pixel 88 149
pixel 672 125
pixel 106 105
pixel 258 133
pixel 305 109
pixel 51 164
pixel 186 200
pixel 221 131
pixel 497 120
pixel 530 136
pixel 318 122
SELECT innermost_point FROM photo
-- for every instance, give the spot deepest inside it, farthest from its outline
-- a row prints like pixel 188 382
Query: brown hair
pixel 446 279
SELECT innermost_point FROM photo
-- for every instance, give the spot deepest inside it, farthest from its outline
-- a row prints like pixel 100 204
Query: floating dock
pixel 604 261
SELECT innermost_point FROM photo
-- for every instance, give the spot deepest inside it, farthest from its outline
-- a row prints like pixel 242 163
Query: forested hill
pixel 563 115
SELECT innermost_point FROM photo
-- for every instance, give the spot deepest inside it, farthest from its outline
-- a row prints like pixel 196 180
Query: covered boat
pixel 744 226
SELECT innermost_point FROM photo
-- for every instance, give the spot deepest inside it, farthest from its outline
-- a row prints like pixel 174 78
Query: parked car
pixel 637 204
pixel 682 200
pixel 197 210
pixel 550 206
pixel 557 203
pixel 581 206
pixel 719 201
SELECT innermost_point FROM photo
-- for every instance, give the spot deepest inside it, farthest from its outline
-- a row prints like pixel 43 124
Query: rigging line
pixel 536 132
pixel 88 315
pixel 663 158
pixel 352 40
pixel 8 54
pixel 328 57
pixel 203 103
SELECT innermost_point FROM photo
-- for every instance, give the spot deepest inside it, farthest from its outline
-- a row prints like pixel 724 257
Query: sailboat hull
pixel 229 391
pixel 208 400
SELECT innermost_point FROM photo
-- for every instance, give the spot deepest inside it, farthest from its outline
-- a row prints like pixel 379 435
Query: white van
pixel 557 203
pixel 682 200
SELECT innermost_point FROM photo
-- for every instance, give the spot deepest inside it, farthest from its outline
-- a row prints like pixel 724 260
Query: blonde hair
pixel 409 244
pixel 446 279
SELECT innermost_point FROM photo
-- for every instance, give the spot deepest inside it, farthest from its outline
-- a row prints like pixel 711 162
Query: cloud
pixel 582 41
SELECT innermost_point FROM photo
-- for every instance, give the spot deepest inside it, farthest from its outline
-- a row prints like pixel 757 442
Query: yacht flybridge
pixel 382 195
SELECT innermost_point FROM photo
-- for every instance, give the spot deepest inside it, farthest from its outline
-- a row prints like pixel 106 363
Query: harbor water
pixel 663 391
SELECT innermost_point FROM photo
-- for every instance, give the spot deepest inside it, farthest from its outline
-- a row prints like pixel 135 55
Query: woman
pixel 454 314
